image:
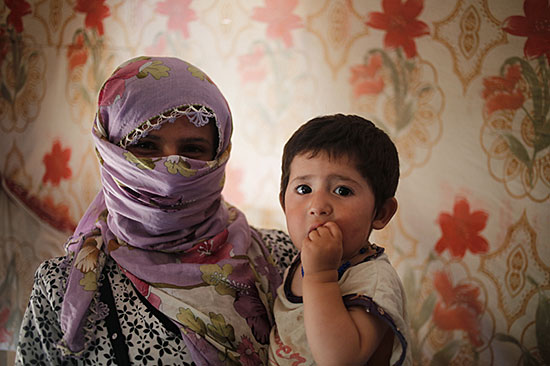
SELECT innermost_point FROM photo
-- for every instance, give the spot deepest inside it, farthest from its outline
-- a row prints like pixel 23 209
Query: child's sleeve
pixel 376 287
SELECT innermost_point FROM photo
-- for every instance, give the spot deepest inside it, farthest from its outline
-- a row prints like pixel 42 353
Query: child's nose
pixel 320 205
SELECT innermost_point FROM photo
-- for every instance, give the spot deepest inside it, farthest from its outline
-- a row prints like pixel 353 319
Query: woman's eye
pixel 143 148
pixel 303 189
pixel 343 191
pixel 145 145
pixel 192 149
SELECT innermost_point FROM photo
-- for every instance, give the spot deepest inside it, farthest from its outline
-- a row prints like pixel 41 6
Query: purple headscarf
pixel 164 222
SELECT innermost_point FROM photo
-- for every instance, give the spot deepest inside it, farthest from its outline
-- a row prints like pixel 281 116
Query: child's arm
pixel 336 335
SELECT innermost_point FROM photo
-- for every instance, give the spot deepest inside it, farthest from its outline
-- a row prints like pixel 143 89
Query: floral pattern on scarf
pixel 190 254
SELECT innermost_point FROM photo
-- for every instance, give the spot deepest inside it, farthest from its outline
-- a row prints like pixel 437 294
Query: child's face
pixel 321 190
pixel 178 138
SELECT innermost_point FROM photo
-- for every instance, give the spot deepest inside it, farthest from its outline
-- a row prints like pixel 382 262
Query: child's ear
pixel 385 213
pixel 282 200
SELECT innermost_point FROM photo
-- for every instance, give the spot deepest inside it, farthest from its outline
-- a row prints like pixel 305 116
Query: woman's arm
pixel 40 329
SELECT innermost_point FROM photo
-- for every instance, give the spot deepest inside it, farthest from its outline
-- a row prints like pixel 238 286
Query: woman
pixel 160 269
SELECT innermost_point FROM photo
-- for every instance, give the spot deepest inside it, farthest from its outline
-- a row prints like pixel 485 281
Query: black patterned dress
pixel 138 335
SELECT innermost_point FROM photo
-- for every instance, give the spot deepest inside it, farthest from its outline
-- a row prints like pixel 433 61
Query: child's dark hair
pixel 350 136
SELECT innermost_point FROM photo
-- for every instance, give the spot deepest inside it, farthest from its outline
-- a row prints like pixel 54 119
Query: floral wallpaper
pixel 462 87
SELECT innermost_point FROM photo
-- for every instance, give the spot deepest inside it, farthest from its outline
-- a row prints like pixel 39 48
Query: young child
pixel 341 303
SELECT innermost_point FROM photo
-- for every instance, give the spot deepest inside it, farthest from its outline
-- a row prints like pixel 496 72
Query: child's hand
pixel 322 249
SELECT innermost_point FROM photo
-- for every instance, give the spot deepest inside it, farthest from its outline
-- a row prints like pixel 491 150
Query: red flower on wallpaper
pixel 77 52
pixel 503 92
pixel 57 164
pixel 461 231
pixel 459 307
pixel 158 46
pixel 279 18
pixel 400 23
pixel 535 25
pixel 5 335
pixel 251 67
pixel 18 9
pixel 56 215
pixel 209 251
pixel 179 14
pixel 365 78
pixel 95 11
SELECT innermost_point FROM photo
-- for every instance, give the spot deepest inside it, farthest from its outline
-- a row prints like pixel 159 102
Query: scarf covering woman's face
pixel 162 134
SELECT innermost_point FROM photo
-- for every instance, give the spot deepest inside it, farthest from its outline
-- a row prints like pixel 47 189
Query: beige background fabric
pixel 466 103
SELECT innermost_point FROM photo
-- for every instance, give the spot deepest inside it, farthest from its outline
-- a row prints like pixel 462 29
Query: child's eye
pixel 303 189
pixel 343 191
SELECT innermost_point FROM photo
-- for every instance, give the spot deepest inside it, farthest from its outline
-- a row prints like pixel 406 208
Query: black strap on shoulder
pixel 113 325
pixel 165 320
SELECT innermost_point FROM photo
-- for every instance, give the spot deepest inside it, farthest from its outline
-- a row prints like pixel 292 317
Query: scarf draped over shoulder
pixel 164 222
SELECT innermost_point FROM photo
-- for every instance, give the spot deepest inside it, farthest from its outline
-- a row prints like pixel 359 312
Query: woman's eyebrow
pixel 181 140
pixel 194 140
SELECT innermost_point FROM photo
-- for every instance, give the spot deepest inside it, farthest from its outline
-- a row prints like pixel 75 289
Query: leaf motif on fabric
pixel 112 245
pixel 228 359
pixel 141 163
pixel 89 281
pixel 188 319
pixel 177 165
pixel 156 69
pixel 219 329
pixel 218 277
pixel 86 260
pixel 196 72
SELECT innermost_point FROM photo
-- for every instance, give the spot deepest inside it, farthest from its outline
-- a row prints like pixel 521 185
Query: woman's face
pixel 178 138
